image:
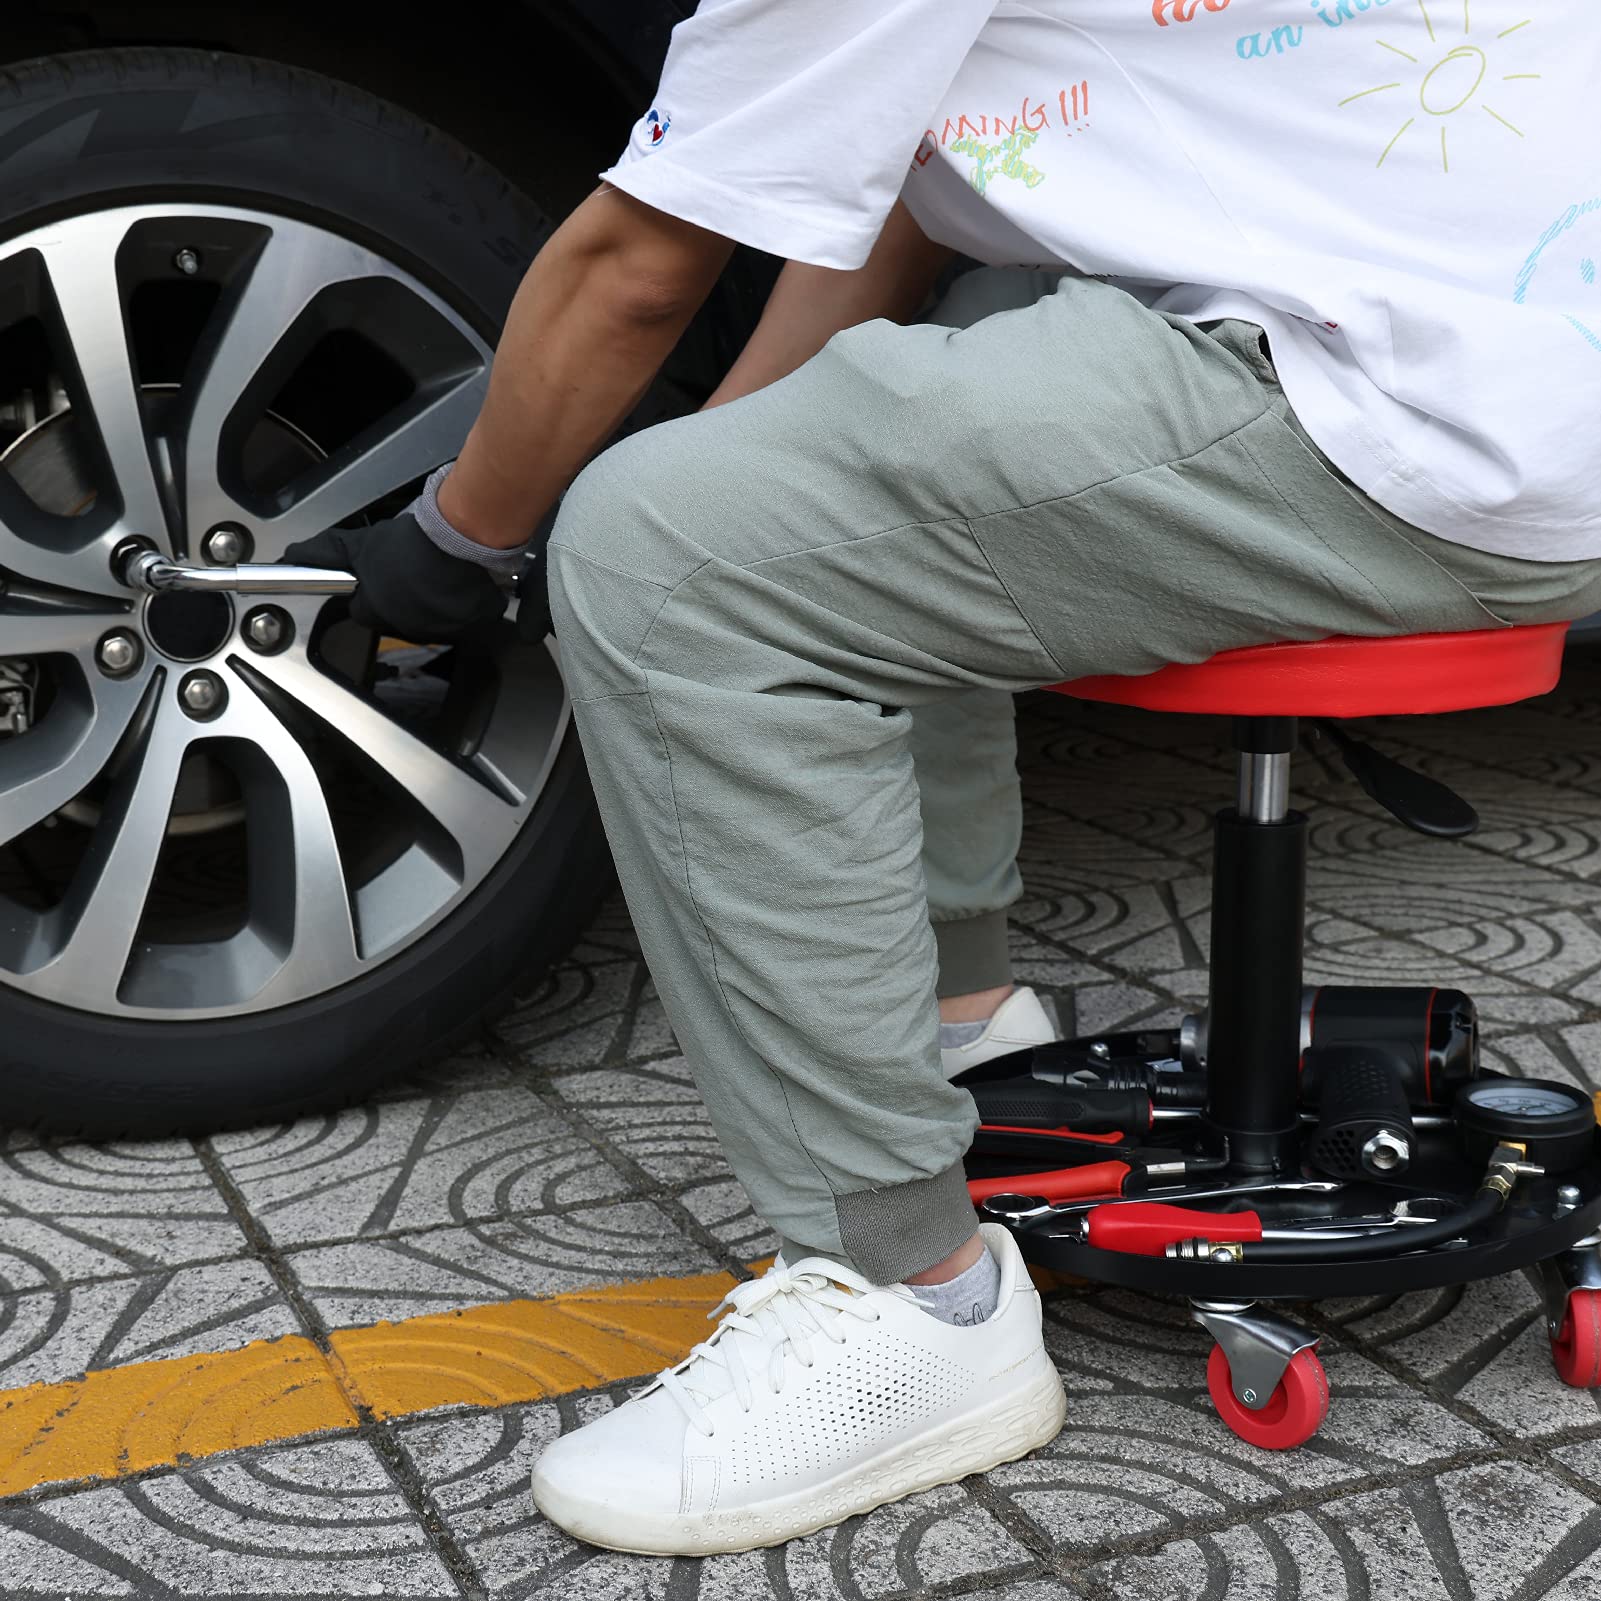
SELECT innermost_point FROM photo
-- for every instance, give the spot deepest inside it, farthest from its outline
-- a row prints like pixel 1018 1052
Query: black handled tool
pixel 1032 1104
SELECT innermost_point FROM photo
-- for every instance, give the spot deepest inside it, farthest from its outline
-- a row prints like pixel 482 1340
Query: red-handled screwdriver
pixel 1095 1181
pixel 1147 1228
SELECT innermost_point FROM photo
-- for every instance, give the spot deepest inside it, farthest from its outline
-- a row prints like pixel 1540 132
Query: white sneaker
pixel 819 1396
pixel 1019 1021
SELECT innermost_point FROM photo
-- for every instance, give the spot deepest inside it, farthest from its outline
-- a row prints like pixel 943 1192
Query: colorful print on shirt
pixel 1452 74
pixel 657 122
pixel 996 143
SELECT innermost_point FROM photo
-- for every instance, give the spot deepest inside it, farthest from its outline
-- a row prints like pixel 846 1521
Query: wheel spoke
pixel 82 266
pixel 430 433
pixel 42 771
pixel 85 568
pixel 477 821
pixel 52 631
pixel 306 915
pixel 293 266
pixel 97 921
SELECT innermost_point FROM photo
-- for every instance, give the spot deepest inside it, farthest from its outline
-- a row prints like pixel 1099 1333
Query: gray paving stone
pixel 395 1166
pixel 1518 1389
pixel 73 1212
pixel 1143 1450
pixel 651 1033
pixel 1088 916
pixel 404 1275
pixel 41 1567
pixel 1501 1532
pixel 1284 1558
pixel 477 1469
pixel 318 1520
pixel 1544 1054
pixel 474 1068
pixel 1102 1008
pixel 658 1081
pixel 1445 1337
pixel 1581 1044
pixel 723 1208
pixel 651 1112
pixel 48 1335
pixel 1583 1459
pixel 1051 1589
pixel 578 1016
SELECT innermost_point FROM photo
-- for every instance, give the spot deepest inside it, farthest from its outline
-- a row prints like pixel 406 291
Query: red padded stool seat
pixel 1346 677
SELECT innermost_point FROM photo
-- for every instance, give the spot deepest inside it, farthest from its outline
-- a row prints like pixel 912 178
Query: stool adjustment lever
pixel 1424 805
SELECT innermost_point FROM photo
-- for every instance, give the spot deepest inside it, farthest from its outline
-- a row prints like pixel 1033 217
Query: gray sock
pixel 953 1034
pixel 451 540
pixel 968 1298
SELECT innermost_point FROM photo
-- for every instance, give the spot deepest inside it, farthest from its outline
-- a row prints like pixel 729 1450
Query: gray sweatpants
pixel 758 606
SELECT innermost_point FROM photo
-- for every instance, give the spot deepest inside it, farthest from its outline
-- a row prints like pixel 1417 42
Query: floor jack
pixel 1291 1143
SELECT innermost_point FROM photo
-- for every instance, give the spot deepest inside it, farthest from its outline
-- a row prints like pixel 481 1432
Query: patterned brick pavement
pixel 571 1148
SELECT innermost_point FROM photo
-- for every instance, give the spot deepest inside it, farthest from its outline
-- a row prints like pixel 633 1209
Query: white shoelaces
pixel 768 1319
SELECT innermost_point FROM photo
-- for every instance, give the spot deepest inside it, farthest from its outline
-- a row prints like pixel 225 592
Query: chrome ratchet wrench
pixel 154 573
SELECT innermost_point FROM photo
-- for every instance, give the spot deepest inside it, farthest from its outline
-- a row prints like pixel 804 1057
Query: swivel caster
pixel 1571 1285
pixel 1264 1375
pixel 1576 1345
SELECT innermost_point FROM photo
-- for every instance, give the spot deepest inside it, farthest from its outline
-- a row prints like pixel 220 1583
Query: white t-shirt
pixel 1405 193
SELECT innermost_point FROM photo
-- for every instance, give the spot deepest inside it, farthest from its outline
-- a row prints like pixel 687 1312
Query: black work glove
pixel 406 585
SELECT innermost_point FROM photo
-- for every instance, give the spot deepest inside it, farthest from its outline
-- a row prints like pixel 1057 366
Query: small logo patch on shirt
pixel 657 121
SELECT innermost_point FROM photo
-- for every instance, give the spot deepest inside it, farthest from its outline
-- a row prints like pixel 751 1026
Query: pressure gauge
pixel 1555 1121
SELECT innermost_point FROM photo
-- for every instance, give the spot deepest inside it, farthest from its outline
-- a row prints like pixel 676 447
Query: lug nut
pixel 266 629
pixel 187 262
pixel 202 694
pixel 118 653
pixel 123 557
pixel 227 545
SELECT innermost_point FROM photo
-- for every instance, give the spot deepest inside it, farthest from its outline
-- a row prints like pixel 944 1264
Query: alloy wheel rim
pixel 357 813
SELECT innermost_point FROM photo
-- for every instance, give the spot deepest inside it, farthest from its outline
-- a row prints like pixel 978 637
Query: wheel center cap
pixel 188 625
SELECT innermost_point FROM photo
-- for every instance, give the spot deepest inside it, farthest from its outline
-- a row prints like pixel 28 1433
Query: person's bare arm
pixel 601 308
pixel 809 305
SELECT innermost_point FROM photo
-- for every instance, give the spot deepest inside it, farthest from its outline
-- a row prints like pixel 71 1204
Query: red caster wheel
pixel 1576 1346
pixel 1294 1411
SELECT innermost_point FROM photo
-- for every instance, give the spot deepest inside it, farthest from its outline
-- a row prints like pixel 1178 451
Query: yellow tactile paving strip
pixel 148 1414
pixel 520 1350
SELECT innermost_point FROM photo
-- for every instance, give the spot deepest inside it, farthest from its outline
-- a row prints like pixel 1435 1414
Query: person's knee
pixel 613 556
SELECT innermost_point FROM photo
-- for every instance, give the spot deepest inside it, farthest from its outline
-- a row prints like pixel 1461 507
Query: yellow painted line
pixel 122 1420
pixel 521 1350
pixel 116 1421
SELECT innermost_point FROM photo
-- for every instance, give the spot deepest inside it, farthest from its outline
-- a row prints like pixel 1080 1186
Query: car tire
pixel 83 133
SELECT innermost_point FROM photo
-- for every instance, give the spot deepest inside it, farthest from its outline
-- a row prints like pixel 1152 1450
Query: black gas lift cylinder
pixel 1258 919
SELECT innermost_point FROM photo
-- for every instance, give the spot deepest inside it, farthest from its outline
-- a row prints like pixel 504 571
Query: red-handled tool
pixel 1096 1181
pixel 1152 1228
pixel 1147 1228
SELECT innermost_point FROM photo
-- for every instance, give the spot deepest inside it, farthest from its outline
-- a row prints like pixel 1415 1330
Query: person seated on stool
pixel 1282 332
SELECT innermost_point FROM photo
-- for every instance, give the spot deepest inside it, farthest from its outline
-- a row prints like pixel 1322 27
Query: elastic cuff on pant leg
pixel 973 955
pixel 903 1228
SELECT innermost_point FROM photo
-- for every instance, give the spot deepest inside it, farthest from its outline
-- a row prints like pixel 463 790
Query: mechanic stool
pixel 1355 1123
